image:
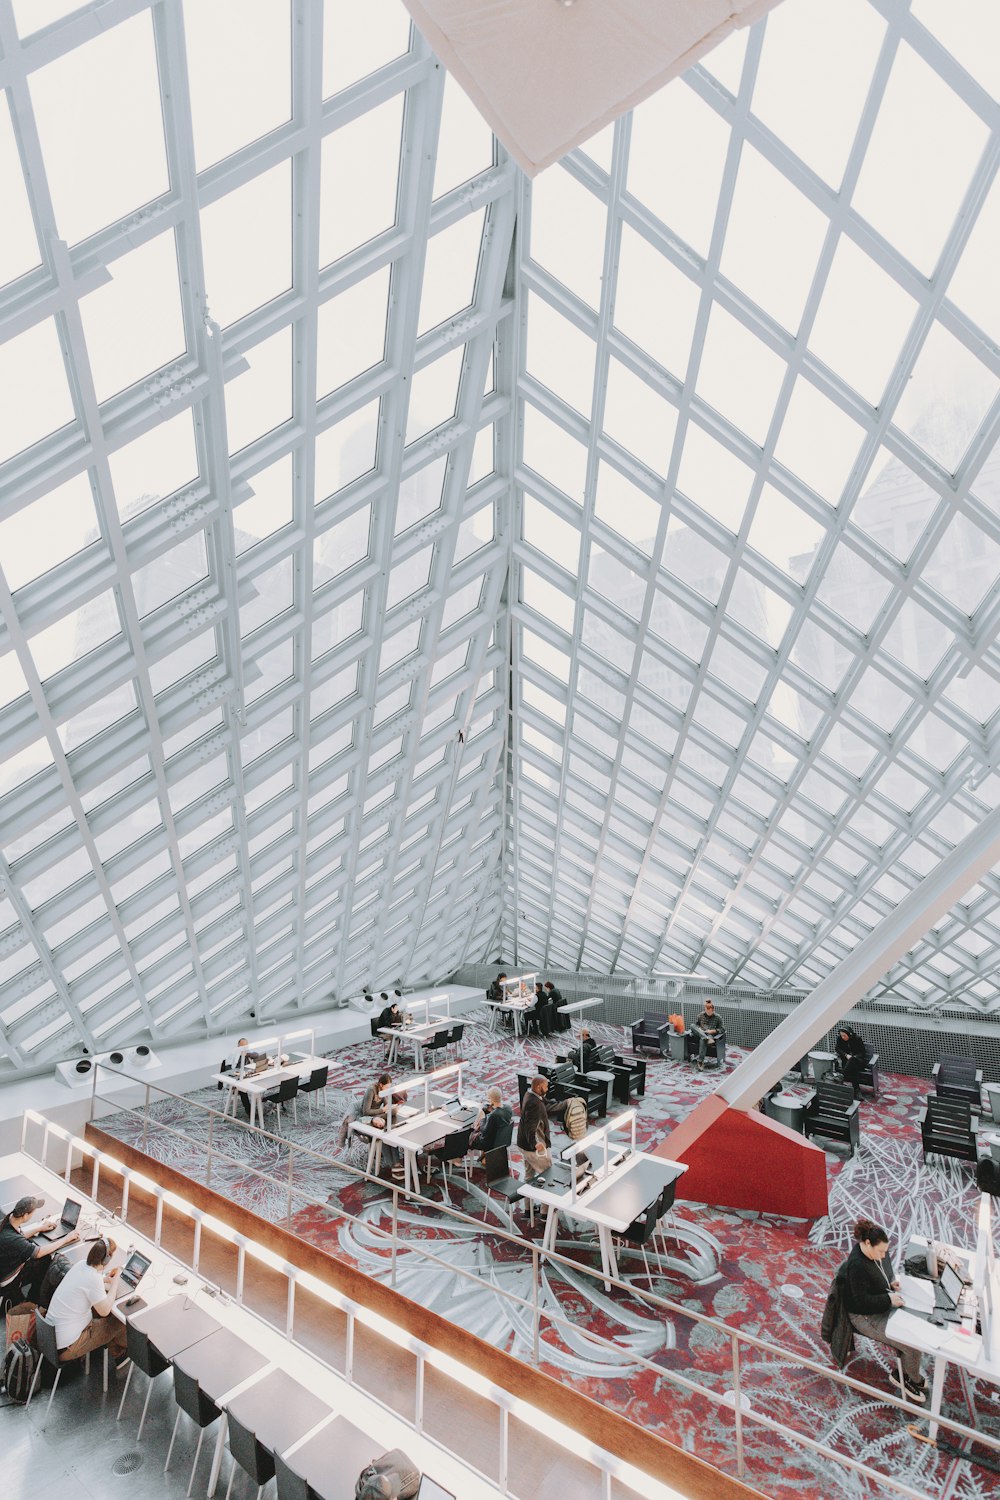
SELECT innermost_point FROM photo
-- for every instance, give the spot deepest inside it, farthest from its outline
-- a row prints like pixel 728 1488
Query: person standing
pixel 708 1028
pixel 870 1295
pixel 534 1135
pixel 19 1249
pixel 81 1307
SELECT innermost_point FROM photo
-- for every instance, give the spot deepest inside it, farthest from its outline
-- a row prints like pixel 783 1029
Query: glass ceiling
pixel 380 587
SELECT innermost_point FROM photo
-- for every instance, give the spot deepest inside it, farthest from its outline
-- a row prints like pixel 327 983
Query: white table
pixel 611 1203
pixel 517 1010
pixel 413 1036
pixel 255 1085
pixel 956 1344
pixel 419 1132
pixel 277 1352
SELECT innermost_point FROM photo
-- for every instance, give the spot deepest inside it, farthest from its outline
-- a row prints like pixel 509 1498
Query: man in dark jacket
pixel 494 1125
pixel 555 999
pixel 534 1137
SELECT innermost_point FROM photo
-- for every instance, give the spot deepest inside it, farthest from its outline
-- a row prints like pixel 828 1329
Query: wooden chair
pixel 948 1128
pixel 832 1113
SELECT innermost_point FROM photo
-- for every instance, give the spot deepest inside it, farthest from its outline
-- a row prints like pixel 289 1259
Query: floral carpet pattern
pixel 764 1276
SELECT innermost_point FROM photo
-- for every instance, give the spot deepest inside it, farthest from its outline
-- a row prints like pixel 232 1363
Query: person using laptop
pixel 81 1307
pixel 21 1250
pixel 245 1064
pixel 870 1295
pixel 707 1028
pixel 494 1124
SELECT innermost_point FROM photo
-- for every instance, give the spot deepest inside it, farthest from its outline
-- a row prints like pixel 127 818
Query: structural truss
pixel 398 561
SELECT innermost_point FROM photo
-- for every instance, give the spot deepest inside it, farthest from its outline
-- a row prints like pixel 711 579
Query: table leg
pixel 220 1444
pixel 937 1391
pixel 253 1110
pixel 551 1225
pixel 412 1173
pixel 609 1264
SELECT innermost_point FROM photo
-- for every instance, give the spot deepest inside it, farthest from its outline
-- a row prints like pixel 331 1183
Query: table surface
pixel 175 1325
pixel 13 1188
pixel 278 1409
pixel 268 1077
pixel 580 1005
pixel 220 1362
pixel 618 1199
pixel 331 1460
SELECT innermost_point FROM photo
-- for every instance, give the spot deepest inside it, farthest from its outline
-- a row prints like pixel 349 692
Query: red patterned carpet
pixel 765 1276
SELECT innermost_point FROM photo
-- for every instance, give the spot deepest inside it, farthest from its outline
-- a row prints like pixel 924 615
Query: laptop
pixel 133 1271
pixel 936 1303
pixel 67 1223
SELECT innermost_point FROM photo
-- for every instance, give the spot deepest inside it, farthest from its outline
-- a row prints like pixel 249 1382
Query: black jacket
pixel 497 1129
pixel 853 1049
pixel 867 1289
pixel 836 1327
pixel 534 1122
pixel 589 1051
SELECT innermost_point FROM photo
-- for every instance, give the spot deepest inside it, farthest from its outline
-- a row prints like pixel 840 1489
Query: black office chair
pixel 45 1338
pixel 499 1180
pixel 291 1486
pixel 455 1038
pixel 316 1084
pixel 438 1042
pixel 665 1203
pixel 286 1093
pixel 250 1454
pixel 192 1401
pixel 147 1358
pixel 639 1233
pixel 454 1147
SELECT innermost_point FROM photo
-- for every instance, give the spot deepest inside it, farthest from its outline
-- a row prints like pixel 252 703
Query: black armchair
pixel 833 1112
pixel 650 1031
pixel 630 1076
pixel 958 1078
pixel 566 1083
pixel 948 1128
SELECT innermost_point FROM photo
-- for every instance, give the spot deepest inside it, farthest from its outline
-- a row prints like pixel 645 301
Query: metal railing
pixel 741 1343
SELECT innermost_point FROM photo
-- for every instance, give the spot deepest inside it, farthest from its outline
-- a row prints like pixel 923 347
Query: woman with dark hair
pixel 852 1052
pixel 871 1293
pixel 374 1108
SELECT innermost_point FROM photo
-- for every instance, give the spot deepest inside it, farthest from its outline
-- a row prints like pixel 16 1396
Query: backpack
pixel 575 1119
pixel 988 1176
pixel 19 1370
pixel 59 1264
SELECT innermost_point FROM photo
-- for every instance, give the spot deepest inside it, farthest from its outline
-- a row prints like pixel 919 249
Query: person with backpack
pixel 19 1248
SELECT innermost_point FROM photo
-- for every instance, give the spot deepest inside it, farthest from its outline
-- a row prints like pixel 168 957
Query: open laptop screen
pixel 951 1284
pixel 134 1270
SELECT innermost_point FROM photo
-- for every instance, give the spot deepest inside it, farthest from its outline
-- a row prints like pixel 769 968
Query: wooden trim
pixel 609 1430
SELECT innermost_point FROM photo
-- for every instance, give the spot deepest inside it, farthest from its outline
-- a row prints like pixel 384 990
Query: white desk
pixel 611 1203
pixel 419 1132
pixel 413 1036
pixel 255 1085
pixel 956 1344
pixel 517 1009
pixel 288 1365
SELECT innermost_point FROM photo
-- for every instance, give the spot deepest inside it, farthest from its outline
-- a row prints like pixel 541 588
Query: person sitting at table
pixel 244 1065
pixel 19 1251
pixel 852 1054
pixel 494 1124
pixel 584 1054
pixel 374 1107
pixel 708 1028
pixel 496 991
pixel 81 1307
pixel 535 1015
pixel 391 1015
pixel 560 1022
pixel 870 1295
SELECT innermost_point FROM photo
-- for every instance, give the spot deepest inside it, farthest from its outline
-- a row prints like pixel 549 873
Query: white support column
pixel 936 894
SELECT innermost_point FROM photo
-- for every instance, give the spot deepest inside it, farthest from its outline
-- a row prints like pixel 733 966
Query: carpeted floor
pixel 766 1276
